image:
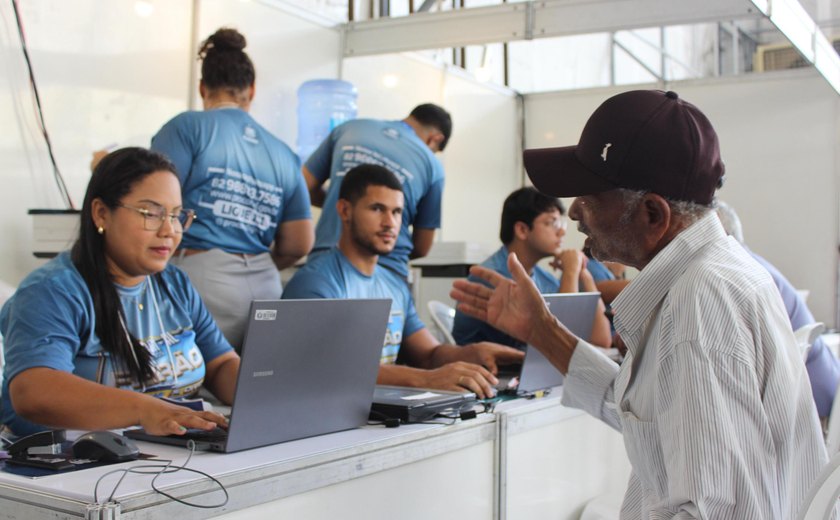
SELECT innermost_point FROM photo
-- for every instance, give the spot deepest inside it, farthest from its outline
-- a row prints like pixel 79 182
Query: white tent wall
pixel 779 139
pixel 107 75
pixel 103 78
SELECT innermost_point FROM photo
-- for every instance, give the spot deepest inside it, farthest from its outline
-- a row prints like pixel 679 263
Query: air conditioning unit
pixel 783 56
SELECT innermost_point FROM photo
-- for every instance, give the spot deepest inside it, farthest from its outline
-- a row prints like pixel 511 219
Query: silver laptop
pixel 574 310
pixel 308 367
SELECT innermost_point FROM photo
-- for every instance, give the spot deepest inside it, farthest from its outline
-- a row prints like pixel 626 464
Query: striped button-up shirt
pixel 712 399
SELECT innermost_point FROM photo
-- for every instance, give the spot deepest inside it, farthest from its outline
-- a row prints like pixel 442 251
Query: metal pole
pixel 663 55
pixel 192 64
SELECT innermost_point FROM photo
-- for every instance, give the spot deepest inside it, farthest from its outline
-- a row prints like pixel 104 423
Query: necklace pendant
pixel 140 306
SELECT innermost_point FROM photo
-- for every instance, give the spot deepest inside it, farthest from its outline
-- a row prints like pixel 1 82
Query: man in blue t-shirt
pixel 370 207
pixel 407 148
pixel 533 227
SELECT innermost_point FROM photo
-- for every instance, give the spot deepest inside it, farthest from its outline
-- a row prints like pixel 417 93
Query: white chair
pixel 832 437
pixel 806 335
pixel 821 502
pixel 602 507
pixel 444 317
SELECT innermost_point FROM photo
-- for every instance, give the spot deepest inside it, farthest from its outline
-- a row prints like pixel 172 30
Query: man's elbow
pixel 420 250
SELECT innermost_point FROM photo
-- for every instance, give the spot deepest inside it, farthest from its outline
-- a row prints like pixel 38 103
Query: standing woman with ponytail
pixel 245 185
pixel 94 336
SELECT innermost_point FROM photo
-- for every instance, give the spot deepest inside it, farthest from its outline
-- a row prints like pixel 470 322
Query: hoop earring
pixel 100 230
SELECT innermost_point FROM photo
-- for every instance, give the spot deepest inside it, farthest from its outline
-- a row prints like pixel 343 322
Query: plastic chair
pixel 806 335
pixel 444 317
pixel 602 507
pixel 832 437
pixel 821 501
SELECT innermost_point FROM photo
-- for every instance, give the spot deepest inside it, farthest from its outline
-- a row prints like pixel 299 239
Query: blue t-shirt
pixel 331 275
pixel 466 329
pixel 394 145
pixel 241 180
pixel 823 367
pixel 599 271
pixel 50 322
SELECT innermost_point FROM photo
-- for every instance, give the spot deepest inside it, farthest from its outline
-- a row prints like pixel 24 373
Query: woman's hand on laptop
pixel 162 418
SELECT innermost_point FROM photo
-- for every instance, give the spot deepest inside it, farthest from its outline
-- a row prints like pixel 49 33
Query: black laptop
pixel 308 368
pixel 411 405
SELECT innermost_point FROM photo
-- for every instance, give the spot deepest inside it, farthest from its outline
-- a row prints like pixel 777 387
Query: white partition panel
pixel 484 163
pixel 108 75
pixel 779 138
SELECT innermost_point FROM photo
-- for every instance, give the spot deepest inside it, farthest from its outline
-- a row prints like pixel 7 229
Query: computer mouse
pixel 106 446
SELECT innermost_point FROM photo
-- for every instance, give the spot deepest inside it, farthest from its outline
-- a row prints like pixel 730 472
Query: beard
pixel 614 246
pixel 367 244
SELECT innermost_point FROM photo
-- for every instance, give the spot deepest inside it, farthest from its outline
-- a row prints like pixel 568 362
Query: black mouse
pixel 106 446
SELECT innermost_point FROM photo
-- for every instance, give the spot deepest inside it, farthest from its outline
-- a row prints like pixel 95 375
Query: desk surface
pixel 495 454
pixel 342 456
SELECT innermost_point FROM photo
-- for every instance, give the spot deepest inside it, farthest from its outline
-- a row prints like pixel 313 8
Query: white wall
pixel 779 138
pixel 482 159
pixel 107 75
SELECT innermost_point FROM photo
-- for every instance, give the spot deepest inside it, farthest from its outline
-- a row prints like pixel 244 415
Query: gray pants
pixel 228 283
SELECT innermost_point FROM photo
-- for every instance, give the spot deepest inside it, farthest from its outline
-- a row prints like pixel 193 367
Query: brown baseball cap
pixel 642 140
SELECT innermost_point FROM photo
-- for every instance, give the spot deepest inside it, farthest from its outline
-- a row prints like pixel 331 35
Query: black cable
pixel 62 187
pixel 164 469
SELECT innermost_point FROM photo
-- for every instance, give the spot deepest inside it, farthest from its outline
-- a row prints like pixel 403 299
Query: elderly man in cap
pixel 712 399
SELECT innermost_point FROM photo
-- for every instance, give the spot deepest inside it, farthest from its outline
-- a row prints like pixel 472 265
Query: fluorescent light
pixel 390 80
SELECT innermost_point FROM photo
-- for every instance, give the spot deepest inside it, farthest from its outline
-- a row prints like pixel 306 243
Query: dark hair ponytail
pixel 112 179
pixel 225 65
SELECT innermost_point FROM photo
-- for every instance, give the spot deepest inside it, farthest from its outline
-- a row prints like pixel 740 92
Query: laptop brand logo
pixel 264 373
pixel 265 315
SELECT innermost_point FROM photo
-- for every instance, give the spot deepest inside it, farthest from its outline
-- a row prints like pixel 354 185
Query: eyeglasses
pixel 154 218
pixel 557 223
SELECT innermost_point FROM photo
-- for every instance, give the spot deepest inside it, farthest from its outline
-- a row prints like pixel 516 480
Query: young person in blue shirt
pixel 252 204
pixel 533 227
pixel 407 148
pixel 93 337
pixel 370 207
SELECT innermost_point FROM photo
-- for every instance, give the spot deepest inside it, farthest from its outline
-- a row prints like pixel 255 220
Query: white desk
pixel 531 459
pixel 383 473
pixel 554 459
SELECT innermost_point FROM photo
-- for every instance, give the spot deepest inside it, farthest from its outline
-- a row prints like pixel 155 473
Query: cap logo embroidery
pixel 604 151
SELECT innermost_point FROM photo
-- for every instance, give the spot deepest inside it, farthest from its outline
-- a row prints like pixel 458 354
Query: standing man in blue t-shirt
pixel 407 148
pixel 370 207
pixel 533 226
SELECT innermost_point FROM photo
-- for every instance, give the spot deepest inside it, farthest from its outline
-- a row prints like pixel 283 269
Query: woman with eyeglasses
pixel 246 186
pixel 96 335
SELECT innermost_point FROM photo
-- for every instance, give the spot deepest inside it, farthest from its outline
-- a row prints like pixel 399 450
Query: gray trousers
pixel 228 283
